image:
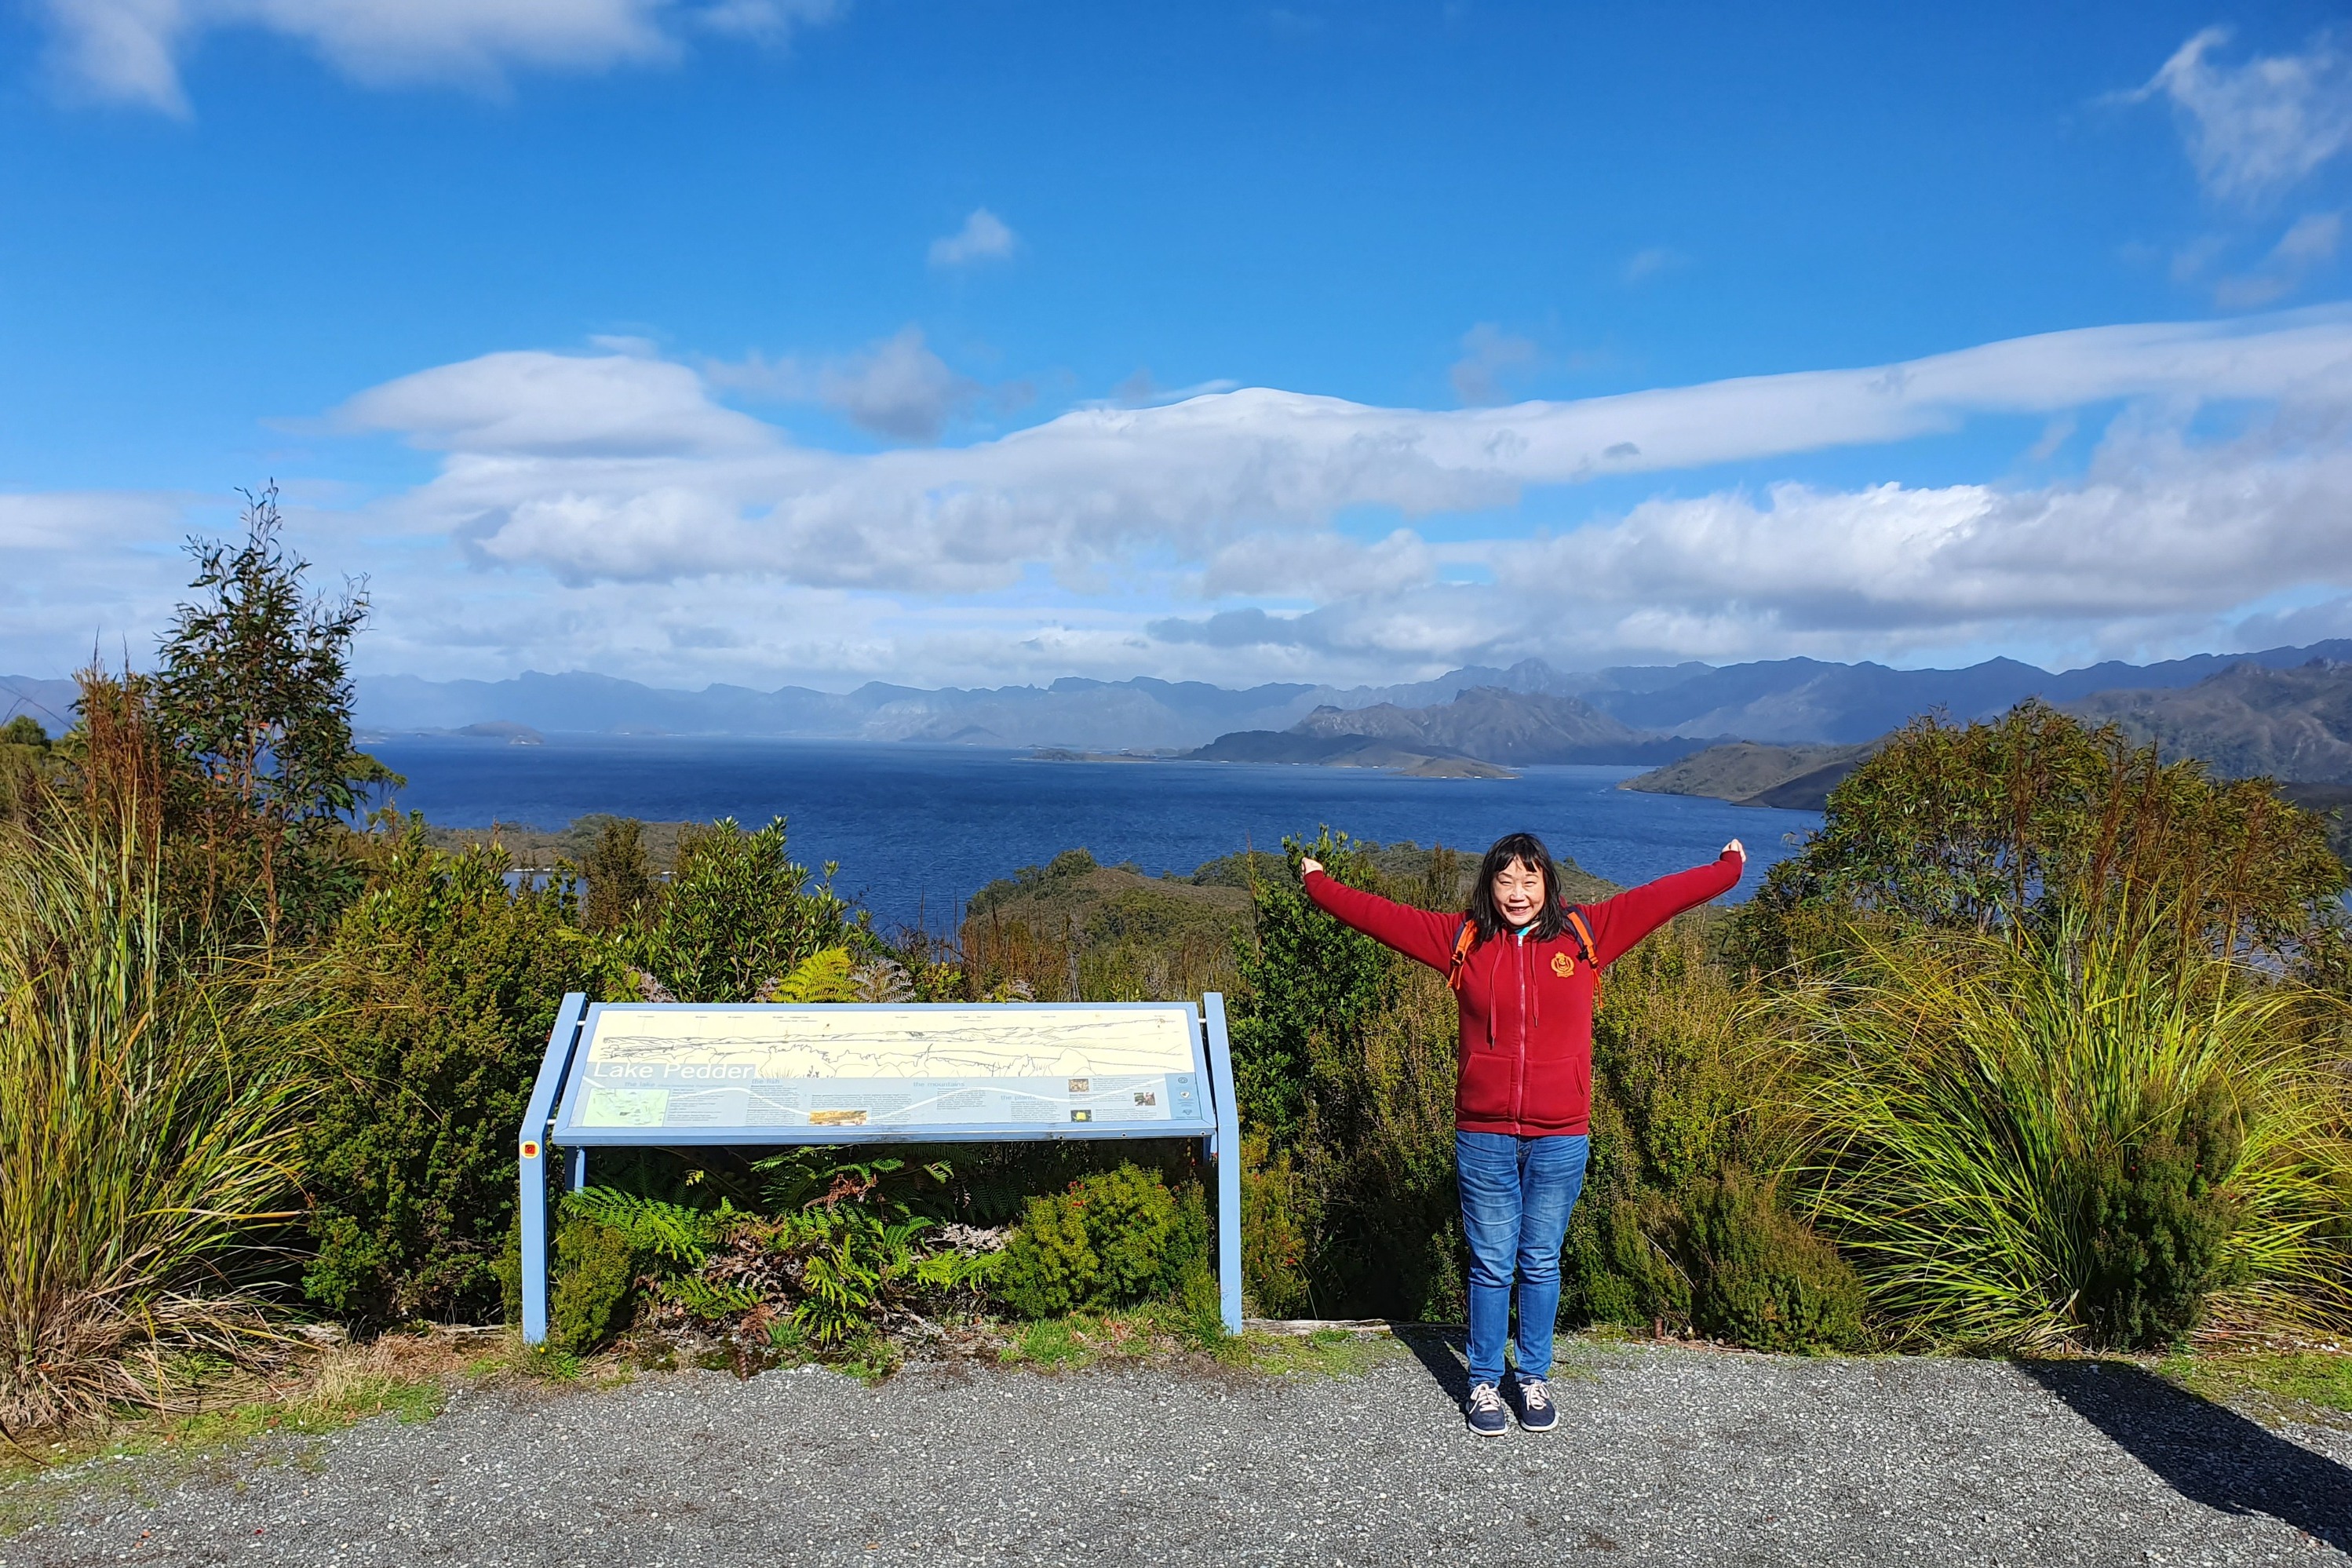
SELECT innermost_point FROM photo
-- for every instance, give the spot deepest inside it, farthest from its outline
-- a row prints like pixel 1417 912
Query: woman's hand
pixel 1307 865
pixel 1737 847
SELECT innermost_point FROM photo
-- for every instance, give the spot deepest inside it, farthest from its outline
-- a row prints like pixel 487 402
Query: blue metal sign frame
pixel 551 1119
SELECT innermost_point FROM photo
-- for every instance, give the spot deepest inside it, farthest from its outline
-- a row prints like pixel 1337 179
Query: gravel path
pixel 1662 1456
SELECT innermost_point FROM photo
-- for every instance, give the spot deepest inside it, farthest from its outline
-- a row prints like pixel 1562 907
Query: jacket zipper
pixel 1519 1071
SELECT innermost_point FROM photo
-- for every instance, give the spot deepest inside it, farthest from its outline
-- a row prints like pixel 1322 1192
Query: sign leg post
pixel 533 1200
pixel 1228 1143
pixel 531 1162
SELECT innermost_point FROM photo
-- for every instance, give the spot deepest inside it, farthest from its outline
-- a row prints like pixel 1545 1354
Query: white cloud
pixel 2052 439
pixel 601 407
pixel 2256 129
pixel 81 570
pixel 982 237
pixel 129 51
pixel 2160 535
pixel 1320 565
pixel 1140 390
pixel 898 387
pixel 597 467
pixel 895 388
pixel 66 521
pixel 1651 261
pixel 1490 356
pixel 2308 244
pixel 769 21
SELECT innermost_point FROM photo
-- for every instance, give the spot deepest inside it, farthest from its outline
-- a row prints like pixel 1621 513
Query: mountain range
pixel 1787 702
pixel 2294 725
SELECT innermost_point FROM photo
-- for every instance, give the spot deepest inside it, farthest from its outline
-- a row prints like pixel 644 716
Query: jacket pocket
pixel 1559 1090
pixel 1484 1090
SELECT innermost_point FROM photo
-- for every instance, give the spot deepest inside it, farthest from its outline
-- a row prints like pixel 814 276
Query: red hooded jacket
pixel 1526 1006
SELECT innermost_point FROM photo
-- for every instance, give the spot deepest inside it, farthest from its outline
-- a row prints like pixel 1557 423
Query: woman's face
pixel 1518 890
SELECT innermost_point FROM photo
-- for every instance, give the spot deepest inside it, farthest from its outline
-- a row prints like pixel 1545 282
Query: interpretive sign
pixel 670 1074
pixel 847 1074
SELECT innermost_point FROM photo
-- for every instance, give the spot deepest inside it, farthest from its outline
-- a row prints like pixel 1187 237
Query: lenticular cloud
pixel 626 467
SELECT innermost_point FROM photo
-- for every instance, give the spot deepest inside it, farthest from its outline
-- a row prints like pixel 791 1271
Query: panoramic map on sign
pixel 704 1071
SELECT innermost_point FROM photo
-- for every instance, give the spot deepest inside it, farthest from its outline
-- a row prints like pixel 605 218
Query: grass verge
pixel 1319 1352
pixel 2314 1386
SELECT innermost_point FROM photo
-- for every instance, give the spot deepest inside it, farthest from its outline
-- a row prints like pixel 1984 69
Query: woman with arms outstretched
pixel 1522 962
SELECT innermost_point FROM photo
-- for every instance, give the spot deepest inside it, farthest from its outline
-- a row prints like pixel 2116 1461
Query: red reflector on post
pixel 529 1149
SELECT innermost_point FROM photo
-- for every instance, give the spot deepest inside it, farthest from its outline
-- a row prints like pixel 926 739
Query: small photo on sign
pixel 1082 1116
pixel 1081 1085
pixel 1147 1096
pixel 836 1118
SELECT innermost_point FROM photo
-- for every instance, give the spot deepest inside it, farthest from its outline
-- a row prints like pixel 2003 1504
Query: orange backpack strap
pixel 1464 940
pixel 1583 932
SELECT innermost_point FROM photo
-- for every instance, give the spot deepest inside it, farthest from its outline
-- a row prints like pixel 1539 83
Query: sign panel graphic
pixel 700 1071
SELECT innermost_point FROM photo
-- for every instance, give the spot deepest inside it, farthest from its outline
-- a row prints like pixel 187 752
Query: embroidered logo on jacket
pixel 1562 965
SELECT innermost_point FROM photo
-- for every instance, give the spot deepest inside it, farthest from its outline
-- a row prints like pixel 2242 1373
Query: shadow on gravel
pixel 2204 1452
pixel 1444 1351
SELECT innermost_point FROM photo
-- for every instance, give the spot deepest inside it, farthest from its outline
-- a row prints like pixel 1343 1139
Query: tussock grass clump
pixel 146 1132
pixel 2077 1135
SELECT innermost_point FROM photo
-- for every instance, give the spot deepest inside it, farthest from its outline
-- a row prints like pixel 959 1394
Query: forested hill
pixel 2293 724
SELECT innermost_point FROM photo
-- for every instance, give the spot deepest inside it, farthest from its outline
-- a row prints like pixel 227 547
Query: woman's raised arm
pixel 1422 934
pixel 1620 922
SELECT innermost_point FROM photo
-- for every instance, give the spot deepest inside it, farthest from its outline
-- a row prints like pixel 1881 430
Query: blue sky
pixel 829 340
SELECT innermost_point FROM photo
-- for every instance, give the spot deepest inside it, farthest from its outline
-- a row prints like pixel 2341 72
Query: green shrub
pixel 1671 1233
pixel 1050 1267
pixel 845 1250
pixel 26 758
pixel 1378 1164
pixel 2076 1134
pixel 1344 1057
pixel 1303 975
pixel 441 985
pixel 1113 1239
pixel 1131 1224
pixel 1620 1265
pixel 2157 1224
pixel 593 1289
pixel 620 877
pixel 1762 1278
pixel 1968 827
pixel 737 916
pixel 1277 1219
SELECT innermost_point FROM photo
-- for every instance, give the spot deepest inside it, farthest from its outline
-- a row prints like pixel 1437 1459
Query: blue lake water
pixel 916 829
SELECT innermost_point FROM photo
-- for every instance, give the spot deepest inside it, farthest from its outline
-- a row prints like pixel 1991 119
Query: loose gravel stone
pixel 1662 1455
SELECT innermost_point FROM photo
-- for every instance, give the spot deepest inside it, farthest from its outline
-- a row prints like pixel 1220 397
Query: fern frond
pixel 671 1231
pixel 821 976
pixel 707 1300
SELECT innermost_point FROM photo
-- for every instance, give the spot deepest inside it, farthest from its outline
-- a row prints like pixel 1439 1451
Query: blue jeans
pixel 1515 1197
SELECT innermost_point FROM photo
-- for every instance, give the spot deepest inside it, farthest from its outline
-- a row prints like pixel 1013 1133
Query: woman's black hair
pixel 1527 850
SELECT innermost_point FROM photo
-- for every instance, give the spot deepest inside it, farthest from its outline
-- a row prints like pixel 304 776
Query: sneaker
pixel 1537 1411
pixel 1490 1416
